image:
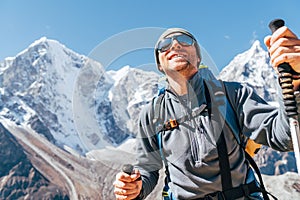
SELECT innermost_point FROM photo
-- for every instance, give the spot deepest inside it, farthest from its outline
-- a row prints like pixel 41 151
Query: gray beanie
pixel 169 32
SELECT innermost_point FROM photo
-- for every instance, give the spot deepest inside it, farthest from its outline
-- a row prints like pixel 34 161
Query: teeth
pixel 178 56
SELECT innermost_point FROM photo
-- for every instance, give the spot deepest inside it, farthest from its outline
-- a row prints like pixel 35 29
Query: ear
pixel 160 68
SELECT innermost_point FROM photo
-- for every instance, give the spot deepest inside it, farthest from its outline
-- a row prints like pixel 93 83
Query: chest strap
pixel 174 123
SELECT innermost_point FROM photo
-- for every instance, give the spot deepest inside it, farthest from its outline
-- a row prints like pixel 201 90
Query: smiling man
pixel 178 53
pixel 182 129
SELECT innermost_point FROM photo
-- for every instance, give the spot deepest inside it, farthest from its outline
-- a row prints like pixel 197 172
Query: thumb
pixel 136 175
pixel 267 41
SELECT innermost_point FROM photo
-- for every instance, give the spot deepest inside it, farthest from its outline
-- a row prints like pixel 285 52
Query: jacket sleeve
pixel 148 157
pixel 265 124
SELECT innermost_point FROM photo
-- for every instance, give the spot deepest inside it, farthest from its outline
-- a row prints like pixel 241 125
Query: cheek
pixel 162 58
pixel 194 59
pixel 163 61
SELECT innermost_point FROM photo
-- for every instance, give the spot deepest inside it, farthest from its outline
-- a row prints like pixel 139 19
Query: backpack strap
pixel 159 128
pixel 216 104
pixel 218 94
pixel 157 121
pixel 157 104
pixel 224 164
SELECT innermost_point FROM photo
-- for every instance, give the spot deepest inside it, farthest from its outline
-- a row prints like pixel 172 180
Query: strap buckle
pixel 171 124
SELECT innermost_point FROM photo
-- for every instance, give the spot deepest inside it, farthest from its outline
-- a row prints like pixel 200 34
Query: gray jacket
pixel 190 149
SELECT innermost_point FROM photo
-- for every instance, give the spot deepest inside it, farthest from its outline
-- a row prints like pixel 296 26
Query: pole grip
pixel 276 24
pixel 286 83
pixel 286 77
pixel 127 168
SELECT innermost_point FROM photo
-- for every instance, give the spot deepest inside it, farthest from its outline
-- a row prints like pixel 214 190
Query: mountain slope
pixel 19 171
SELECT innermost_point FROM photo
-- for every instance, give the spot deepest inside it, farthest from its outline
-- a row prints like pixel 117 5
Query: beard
pixel 179 64
pixel 184 69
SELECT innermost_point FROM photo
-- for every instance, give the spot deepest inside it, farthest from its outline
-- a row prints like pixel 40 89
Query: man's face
pixel 179 57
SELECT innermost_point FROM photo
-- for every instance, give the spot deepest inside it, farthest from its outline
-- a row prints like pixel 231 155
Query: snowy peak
pixel 41 65
pixel 52 46
pixel 44 40
pixel 256 47
pixel 119 74
pixel 37 89
pixel 253 67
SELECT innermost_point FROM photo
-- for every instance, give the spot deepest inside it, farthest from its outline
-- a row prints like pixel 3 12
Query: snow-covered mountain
pixel 132 89
pixel 70 98
pixel 253 67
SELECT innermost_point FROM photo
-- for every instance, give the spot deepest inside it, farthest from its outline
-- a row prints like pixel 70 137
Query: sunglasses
pixel 166 43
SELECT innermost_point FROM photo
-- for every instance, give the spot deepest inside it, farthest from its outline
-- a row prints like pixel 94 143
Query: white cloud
pixel 227 37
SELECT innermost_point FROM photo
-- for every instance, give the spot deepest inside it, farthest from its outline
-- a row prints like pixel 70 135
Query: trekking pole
pixel 127 168
pixel 285 81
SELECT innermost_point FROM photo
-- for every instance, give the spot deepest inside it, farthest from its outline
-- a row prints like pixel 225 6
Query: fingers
pixel 122 176
pixel 282 32
pixel 292 58
pixel 127 186
pixel 281 37
pixel 286 50
pixel 127 190
pixel 284 46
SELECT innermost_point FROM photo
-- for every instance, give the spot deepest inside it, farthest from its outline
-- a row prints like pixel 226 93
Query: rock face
pixel 19 178
pixel 67 126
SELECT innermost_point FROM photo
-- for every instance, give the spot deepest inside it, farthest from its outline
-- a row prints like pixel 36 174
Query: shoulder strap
pixel 217 88
pixel 157 121
pixel 219 97
pixel 214 97
pixel 157 103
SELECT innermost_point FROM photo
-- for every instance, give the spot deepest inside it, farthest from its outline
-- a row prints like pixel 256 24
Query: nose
pixel 175 44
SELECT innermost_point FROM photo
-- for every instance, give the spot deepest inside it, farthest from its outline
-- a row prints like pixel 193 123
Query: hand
pixel 127 186
pixel 284 46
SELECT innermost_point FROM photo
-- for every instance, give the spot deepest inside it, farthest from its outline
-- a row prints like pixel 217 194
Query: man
pixel 191 150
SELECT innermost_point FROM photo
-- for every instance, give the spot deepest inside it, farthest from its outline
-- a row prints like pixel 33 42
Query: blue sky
pixel 223 28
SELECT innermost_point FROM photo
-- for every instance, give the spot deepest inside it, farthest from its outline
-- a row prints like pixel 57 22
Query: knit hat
pixel 172 31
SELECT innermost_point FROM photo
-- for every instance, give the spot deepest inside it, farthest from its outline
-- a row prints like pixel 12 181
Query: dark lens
pixel 185 40
pixel 164 44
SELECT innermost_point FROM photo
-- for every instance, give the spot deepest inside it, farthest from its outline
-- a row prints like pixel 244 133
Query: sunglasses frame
pixel 175 37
